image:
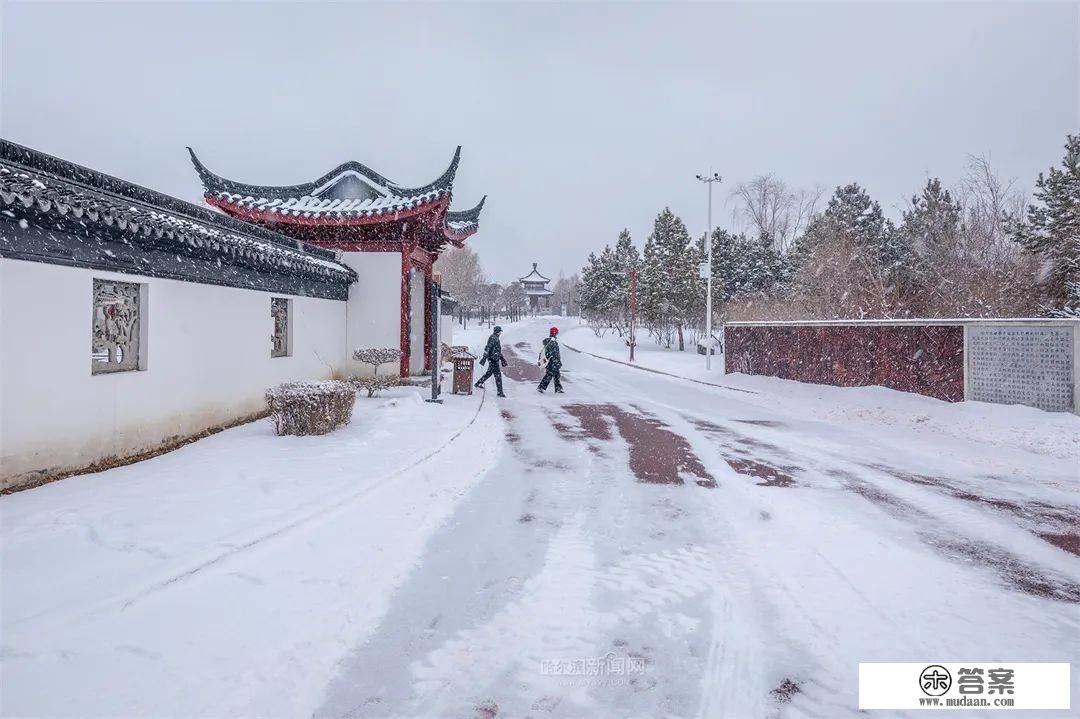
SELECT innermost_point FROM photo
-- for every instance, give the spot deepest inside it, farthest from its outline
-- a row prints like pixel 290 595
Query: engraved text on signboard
pixel 1022 365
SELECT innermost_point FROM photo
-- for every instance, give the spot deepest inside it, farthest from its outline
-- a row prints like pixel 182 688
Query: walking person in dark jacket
pixel 554 362
pixel 495 361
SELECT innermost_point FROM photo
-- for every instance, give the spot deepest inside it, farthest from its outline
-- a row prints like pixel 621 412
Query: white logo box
pixel 897 686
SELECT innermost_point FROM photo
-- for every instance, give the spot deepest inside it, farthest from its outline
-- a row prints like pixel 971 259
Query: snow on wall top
pixel 36 180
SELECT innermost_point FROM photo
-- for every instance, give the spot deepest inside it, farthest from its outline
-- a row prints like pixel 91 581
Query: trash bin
pixel 464 361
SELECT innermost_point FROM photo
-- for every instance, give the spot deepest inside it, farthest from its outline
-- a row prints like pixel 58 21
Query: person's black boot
pixel 500 394
pixel 558 391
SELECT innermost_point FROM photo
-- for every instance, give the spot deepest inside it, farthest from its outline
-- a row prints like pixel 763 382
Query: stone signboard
pixel 1016 364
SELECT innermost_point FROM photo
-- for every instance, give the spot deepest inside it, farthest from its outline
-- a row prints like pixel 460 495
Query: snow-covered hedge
pixel 303 408
pixel 376 356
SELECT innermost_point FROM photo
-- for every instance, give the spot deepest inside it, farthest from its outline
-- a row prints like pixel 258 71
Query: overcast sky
pixel 575 119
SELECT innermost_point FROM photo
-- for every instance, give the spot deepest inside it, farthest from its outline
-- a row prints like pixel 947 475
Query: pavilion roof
pixel 350 180
pixel 465 222
pixel 351 193
pixel 534 276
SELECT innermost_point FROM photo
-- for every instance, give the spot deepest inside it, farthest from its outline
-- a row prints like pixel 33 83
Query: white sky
pixel 576 119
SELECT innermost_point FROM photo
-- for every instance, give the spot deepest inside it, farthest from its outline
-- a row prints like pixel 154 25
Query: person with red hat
pixel 554 362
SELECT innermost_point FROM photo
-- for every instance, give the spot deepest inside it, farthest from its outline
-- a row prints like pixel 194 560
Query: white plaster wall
pixel 374 307
pixel 207 363
pixel 417 327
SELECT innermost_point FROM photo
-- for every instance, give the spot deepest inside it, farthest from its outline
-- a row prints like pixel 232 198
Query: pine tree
pixel 625 258
pixel 604 286
pixel 854 232
pixel 852 215
pixel 671 291
pixel 743 266
pixel 933 229
pixel 1052 231
pixel 588 295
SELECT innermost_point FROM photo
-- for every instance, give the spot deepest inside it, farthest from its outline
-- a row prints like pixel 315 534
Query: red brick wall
pixel 927 359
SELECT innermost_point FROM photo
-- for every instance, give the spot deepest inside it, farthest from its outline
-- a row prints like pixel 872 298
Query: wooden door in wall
pixel 416 321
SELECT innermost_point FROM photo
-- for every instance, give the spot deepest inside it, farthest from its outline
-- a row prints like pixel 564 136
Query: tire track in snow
pixel 660 372
pixel 1021 574
pixel 555 619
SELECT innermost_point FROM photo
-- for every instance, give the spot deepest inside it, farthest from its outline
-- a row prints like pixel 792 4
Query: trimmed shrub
pixel 303 408
pixel 373 384
pixel 376 356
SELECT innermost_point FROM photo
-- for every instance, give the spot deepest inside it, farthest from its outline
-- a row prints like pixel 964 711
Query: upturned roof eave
pixel 214 183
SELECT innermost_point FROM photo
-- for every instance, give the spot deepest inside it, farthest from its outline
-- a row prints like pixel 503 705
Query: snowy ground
pixel 724 551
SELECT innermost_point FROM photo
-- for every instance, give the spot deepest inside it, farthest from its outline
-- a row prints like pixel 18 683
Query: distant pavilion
pixel 535 286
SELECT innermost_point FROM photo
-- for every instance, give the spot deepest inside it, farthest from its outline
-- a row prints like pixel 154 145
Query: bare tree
pixel 986 200
pixel 514 300
pixel 462 276
pixel 566 293
pixel 767 206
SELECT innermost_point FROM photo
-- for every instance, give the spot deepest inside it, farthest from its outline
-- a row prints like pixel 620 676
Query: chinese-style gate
pixel 355 210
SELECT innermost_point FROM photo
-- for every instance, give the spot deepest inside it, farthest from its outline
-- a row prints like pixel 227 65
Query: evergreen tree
pixel 933 229
pixel 624 258
pixel 670 290
pixel 742 265
pixel 932 225
pixel 588 296
pixel 603 287
pixel 853 216
pixel 853 235
pixel 1052 231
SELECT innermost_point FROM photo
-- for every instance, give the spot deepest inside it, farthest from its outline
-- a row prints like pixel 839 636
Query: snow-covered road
pixel 638 547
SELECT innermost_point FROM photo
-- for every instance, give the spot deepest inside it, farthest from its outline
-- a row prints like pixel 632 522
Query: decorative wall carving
pixel 115 345
pixel 279 311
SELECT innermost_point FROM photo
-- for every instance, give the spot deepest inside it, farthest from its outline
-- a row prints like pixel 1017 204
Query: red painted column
pixel 406 263
pixel 427 317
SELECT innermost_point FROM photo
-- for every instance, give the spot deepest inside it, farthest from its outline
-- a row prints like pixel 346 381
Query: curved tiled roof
pixel 465 221
pixel 308 199
pixel 534 276
pixel 47 184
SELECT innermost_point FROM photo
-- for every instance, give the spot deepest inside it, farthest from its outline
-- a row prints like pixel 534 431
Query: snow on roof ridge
pixel 63 196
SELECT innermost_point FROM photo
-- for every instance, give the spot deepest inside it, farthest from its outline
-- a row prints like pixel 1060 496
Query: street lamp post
pixel 633 311
pixel 708 180
pixel 435 308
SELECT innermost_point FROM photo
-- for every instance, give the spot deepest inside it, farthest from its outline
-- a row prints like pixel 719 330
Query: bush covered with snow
pixel 303 408
pixel 376 356
pixel 374 383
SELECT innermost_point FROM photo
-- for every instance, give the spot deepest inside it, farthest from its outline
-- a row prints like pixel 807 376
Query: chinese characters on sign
pixel 1030 365
pixel 608 665
pixel 971 685
pixel 971 681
